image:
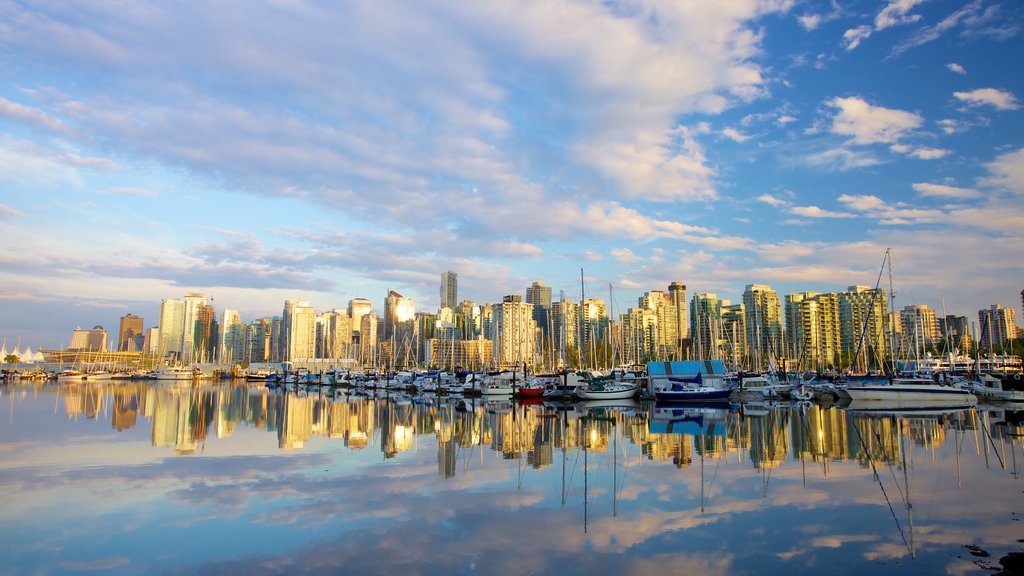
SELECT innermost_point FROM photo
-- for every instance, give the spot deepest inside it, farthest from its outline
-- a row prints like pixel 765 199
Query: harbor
pixel 215 476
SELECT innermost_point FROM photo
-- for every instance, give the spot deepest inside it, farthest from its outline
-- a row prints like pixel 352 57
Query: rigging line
pixel 991 441
pixel 874 470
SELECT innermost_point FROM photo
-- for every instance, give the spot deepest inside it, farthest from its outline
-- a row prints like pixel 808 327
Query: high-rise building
pixel 467 320
pixel 192 303
pixel 357 308
pixel 94 340
pixel 764 324
pixel 130 327
pixel 540 296
pixel 705 325
pixel 449 290
pixel 398 311
pixel 812 330
pixel 733 335
pixel 334 335
pixel 204 347
pixel 565 327
pixel 515 332
pixel 298 324
pixel 919 327
pixel 172 323
pixel 997 326
pixel 665 331
pixel 368 339
pixel 640 335
pixel 956 331
pixel 677 293
pixel 594 326
pixel 862 325
pixel 231 343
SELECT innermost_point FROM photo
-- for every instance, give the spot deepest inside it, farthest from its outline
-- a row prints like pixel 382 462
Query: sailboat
pixel 908 392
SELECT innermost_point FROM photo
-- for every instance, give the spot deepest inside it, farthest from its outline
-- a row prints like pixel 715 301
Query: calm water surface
pixel 228 478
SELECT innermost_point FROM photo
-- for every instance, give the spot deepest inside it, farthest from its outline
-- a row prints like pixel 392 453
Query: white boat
pixel 608 390
pixel 173 373
pixel 1005 387
pixel 71 375
pixel 914 391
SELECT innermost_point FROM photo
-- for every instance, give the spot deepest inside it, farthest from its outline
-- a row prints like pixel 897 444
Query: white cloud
pixel 868 124
pixel 854 36
pixel 625 255
pixel 816 212
pixel 999 99
pixel 954 67
pixel 809 21
pixel 771 200
pixel 920 152
pixel 929 190
pixel 840 159
pixel 784 119
pixel 126 191
pixel 1007 171
pixel 8 212
pixel 32 116
pixel 862 203
pixel 735 135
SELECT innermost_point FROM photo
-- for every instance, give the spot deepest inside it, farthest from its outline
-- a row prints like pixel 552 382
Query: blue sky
pixel 259 151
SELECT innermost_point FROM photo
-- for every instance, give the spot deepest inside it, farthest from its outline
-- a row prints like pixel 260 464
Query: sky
pixel 262 151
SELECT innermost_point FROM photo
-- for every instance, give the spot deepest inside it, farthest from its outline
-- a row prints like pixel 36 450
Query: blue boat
pixel 688 389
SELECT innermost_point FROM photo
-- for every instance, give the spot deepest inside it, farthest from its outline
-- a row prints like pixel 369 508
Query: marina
pixel 231 476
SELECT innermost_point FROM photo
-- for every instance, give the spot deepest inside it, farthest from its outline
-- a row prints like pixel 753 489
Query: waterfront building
pixel 258 341
pixel 449 289
pixel 677 293
pixel 997 326
pixel 357 308
pixel 334 334
pixel 231 344
pixel 640 336
pixel 812 330
pixel 205 337
pixel 705 325
pixel 399 313
pixel 539 295
pixel 298 325
pixel 594 328
pixel 515 332
pixel 192 303
pixel 565 318
pixel 151 343
pixel 172 322
pixel 955 331
pixel 367 339
pixel 94 340
pixel 733 334
pixel 862 326
pixel 129 328
pixel 918 328
pixel 467 319
pixel 764 325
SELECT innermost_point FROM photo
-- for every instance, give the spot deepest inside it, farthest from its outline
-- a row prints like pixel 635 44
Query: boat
pixel 1004 387
pixel 913 391
pixel 260 375
pixel 688 389
pixel 71 375
pixel 173 373
pixel 603 390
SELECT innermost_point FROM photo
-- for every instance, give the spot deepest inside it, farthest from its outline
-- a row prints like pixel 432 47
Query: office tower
pixel 665 334
pixel 399 316
pixel 997 326
pixel 130 327
pixel 231 339
pixel 151 343
pixel 540 296
pixel 449 290
pixel 94 340
pixel 467 320
pixel 565 317
pixel 705 326
pixel 515 332
pixel 258 341
pixel 594 327
pixel 204 339
pixel 812 330
pixel 172 322
pixel 677 293
pixel 862 325
pixel 334 334
pixel 956 331
pixel 733 334
pixel 357 308
pixel 919 327
pixel 368 339
pixel 764 325
pixel 639 335
pixel 192 303
pixel 298 325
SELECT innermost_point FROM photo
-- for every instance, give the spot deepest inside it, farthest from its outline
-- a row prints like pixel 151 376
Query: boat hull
pixel 695 395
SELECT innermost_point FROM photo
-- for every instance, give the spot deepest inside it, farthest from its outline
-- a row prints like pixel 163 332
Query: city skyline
pixel 258 153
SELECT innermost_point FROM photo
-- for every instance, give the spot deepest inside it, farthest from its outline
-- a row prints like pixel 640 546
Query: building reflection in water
pixel 184 417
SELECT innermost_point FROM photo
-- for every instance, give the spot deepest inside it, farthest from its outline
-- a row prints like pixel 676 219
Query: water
pixel 220 478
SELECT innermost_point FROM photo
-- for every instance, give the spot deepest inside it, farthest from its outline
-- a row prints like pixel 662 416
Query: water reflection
pixel 631 485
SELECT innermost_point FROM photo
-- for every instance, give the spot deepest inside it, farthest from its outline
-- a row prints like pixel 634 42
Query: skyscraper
pixel 130 327
pixel 231 341
pixel 920 328
pixel 449 289
pixel 997 326
pixel 298 324
pixel 540 296
pixel 94 340
pixel 193 302
pixel 357 308
pixel 705 321
pixel 172 322
pixel 399 313
pixel 514 332
pixel 764 324
pixel 862 325
pixel 677 293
